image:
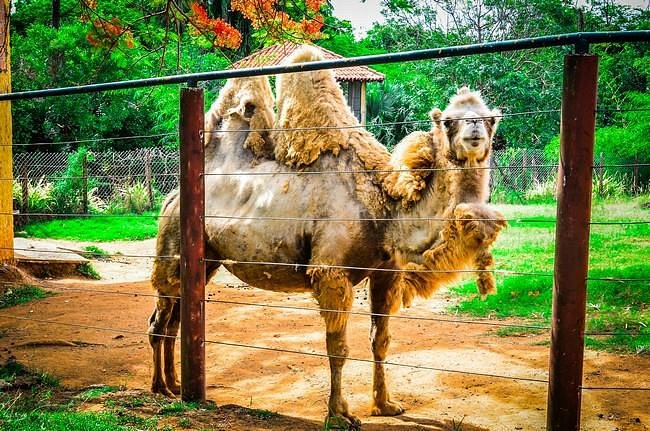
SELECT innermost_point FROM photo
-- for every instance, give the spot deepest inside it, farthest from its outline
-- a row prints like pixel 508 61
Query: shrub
pixel 133 198
pixel 39 196
pixel 69 184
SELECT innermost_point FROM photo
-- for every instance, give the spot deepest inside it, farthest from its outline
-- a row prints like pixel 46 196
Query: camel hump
pixel 305 54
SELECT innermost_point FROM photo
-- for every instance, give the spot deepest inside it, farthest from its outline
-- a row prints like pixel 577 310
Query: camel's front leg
pixel 485 283
pixel 383 301
pixel 333 290
pixel 171 377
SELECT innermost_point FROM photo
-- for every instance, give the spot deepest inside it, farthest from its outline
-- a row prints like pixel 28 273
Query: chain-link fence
pixel 115 181
pixel 136 180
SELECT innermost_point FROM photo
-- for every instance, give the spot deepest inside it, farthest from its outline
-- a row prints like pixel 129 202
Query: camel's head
pixel 470 126
pixel 243 104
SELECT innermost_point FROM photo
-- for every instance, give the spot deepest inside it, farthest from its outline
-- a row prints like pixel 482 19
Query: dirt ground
pixel 295 386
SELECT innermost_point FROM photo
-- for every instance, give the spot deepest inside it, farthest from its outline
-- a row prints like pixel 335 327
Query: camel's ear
pixel 464 90
pixel 435 115
pixel 496 119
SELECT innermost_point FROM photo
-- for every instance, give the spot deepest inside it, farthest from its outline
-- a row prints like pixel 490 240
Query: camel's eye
pixel 249 109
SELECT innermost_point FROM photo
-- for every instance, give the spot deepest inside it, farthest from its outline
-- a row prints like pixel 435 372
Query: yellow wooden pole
pixel 6 174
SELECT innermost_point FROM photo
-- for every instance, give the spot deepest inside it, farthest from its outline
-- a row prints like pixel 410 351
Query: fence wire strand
pixel 325 310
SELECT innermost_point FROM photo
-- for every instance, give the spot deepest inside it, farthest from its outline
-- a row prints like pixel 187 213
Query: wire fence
pixel 101 183
pixel 121 181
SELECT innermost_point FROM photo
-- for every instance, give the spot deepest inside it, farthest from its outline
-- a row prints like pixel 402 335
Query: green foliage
pixel 39 196
pixel 95 252
pixel 130 199
pixel 131 228
pixel 93 393
pixel 68 188
pixel 88 270
pixel 20 294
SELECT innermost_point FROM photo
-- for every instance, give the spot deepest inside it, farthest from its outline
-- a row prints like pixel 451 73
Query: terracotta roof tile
pixel 275 54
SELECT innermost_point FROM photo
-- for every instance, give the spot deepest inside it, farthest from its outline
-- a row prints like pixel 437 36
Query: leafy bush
pixel 39 196
pixel 69 183
pixel 130 199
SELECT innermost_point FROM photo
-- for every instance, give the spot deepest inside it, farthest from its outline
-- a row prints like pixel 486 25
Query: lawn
pixel 616 251
pixel 130 227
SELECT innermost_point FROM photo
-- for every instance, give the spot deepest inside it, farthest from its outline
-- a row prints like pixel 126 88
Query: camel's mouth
pixel 473 141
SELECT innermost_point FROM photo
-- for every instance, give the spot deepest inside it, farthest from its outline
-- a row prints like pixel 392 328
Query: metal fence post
pixel 572 242
pixel 192 262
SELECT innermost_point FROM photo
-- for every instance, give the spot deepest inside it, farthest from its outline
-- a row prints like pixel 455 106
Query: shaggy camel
pixel 320 252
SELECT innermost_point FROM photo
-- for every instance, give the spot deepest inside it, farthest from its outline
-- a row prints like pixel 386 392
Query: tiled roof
pixel 275 54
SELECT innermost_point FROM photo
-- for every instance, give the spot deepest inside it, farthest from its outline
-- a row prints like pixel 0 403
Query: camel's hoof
pixel 162 389
pixel 174 388
pixel 338 422
pixel 389 408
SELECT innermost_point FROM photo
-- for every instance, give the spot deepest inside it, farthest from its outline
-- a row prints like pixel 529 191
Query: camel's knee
pixel 379 338
pixel 159 320
pixel 333 291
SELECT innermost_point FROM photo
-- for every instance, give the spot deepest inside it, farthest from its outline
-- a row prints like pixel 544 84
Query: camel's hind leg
pixel 157 332
pixel 171 377
pixel 333 290
pixel 384 299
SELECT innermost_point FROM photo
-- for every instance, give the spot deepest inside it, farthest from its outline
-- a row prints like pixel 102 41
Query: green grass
pixel 38 404
pixel 11 419
pixel 616 251
pixel 88 270
pixel 128 228
pixel 95 252
pixel 92 393
pixel 176 408
pixel 21 294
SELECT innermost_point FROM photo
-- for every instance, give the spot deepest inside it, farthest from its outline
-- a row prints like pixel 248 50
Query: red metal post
pixel 572 242
pixel 192 202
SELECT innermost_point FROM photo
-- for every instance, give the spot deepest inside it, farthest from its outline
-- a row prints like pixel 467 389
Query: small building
pixel 352 79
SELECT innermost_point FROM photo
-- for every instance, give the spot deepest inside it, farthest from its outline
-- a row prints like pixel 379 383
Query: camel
pixel 300 180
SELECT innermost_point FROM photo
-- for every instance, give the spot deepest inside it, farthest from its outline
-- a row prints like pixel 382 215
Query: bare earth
pixel 297 386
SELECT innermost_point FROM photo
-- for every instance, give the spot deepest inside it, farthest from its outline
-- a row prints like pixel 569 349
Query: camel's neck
pixel 473 179
pixel 456 182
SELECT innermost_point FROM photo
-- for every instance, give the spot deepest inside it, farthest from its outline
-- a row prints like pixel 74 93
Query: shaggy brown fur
pixel 242 96
pixel 328 125
pixel 457 151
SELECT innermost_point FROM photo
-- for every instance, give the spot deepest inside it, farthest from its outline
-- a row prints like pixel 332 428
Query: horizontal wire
pixel 613 388
pixel 373 171
pixel 369 219
pixel 90 176
pixel 622 109
pixel 81 141
pixel 384 124
pixel 79 325
pixel 305 265
pixel 309 265
pixel 274 349
pixel 35 250
pixel 372 361
pixel 321 355
pixel 617 279
pixel 83 215
pixel 101 291
pixel 323 310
